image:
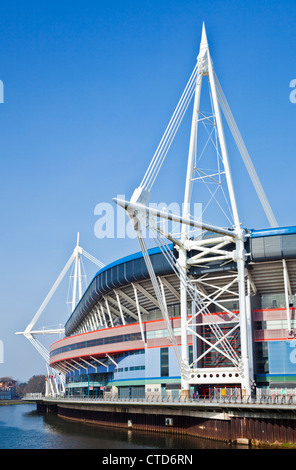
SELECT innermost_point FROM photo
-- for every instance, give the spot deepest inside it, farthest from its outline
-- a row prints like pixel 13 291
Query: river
pixel 23 427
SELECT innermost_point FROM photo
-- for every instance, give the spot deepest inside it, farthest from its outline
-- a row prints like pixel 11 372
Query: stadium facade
pixel 117 341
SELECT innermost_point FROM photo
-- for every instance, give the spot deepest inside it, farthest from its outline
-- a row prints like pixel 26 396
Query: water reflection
pixel 102 437
pixel 22 427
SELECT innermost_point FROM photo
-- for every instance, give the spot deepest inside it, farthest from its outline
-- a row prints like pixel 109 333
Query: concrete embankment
pixel 246 424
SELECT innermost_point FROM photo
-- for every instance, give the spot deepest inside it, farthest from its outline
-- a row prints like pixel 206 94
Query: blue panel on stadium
pixel 282 357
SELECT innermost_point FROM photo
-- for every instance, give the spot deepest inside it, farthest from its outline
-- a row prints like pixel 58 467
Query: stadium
pixel 208 310
pixel 116 339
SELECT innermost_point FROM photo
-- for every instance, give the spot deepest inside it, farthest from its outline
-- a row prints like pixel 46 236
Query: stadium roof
pixel 265 248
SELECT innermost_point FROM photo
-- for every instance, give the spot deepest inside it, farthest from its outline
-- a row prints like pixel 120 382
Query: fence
pixel 33 395
pixel 276 395
pixel 272 399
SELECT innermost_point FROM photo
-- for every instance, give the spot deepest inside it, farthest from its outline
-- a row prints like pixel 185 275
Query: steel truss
pixel 77 291
pixel 228 245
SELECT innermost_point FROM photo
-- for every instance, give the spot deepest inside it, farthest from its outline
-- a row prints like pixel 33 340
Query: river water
pixel 22 427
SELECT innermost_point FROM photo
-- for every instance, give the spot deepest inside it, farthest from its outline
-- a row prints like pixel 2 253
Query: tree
pixel 36 384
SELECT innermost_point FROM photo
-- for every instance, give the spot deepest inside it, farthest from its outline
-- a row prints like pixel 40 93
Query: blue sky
pixel 89 88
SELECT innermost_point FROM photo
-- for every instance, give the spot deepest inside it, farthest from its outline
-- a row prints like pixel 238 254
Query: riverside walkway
pixel 287 402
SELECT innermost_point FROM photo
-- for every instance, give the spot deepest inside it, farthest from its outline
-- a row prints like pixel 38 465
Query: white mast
pixel 30 332
pixel 205 67
pixel 77 274
pixel 186 204
pixel 206 250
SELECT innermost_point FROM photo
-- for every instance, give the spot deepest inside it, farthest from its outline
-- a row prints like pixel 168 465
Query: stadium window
pixel 190 353
pixel 164 362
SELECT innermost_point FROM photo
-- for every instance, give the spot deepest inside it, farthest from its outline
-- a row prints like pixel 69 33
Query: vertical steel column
pixel 286 283
pixel 246 386
pixel 79 277
pixel 184 231
pixel 120 307
pixel 103 315
pixel 139 314
pixel 194 326
pixel 109 313
pixel 249 323
pixel 75 283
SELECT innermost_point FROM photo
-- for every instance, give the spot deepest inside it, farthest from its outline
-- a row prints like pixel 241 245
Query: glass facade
pixel 155 314
pixel 261 357
pixel 97 342
pixel 162 333
pixel 274 324
pixel 164 362
pixel 214 358
pixel 273 301
pixel 132 392
pixel 126 369
pixel 272 353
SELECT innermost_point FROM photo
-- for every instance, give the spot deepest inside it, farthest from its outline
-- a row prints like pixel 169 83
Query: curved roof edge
pixel 265 244
pixel 121 272
pixel 268 232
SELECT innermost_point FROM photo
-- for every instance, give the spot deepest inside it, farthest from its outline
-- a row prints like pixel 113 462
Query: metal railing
pixel 33 395
pixel 273 399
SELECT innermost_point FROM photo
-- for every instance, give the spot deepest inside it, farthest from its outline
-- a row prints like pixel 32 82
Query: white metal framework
pixel 77 292
pixel 226 246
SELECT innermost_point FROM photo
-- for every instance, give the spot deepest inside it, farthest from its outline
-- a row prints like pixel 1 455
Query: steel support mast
pixel 30 332
pixel 226 246
pixel 205 67
pixel 186 214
